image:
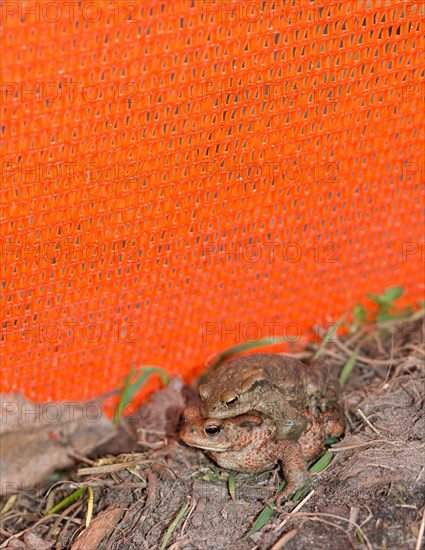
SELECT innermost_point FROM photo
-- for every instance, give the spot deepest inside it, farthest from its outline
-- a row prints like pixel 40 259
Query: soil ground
pixel 370 495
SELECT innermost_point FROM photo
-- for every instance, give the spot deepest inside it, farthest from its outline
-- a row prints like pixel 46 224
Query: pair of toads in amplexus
pixel 260 409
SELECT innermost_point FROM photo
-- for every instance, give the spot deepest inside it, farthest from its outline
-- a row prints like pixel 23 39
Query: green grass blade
pixel 315 469
pixel 360 318
pixel 90 504
pixel 9 504
pixel 347 368
pixel 261 521
pixel 322 463
pixel 174 524
pixel 268 511
pixel 157 370
pixel 329 335
pixel 132 387
pixel 247 346
pixel 377 299
pixel 73 496
pixel 121 406
pixel 393 293
pixel 301 492
pixel 388 296
pixel 232 486
pixel 360 537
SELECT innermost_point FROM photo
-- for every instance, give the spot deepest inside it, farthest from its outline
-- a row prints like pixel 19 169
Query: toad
pixel 278 386
pixel 247 443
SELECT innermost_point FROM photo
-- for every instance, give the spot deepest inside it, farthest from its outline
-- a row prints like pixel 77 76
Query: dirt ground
pixel 158 493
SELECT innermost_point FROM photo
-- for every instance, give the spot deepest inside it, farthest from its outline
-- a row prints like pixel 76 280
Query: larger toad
pixel 247 443
pixel 278 386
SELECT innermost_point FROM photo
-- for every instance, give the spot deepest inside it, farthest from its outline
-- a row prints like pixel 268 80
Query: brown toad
pixel 278 386
pixel 247 443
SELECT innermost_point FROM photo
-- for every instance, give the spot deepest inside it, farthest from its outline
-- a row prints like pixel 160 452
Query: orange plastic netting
pixel 180 176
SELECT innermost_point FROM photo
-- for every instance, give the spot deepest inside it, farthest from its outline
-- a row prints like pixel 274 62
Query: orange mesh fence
pixel 179 176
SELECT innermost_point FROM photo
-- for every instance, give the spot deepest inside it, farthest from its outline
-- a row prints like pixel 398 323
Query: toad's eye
pixel 213 431
pixel 232 402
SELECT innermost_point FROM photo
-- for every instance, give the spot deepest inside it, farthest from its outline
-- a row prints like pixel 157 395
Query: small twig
pixel 369 517
pixel 61 517
pixel 82 458
pixel 317 515
pixel 419 349
pixel 386 378
pixel 23 515
pixel 383 466
pixel 421 532
pixel 354 514
pixel 192 508
pixel 334 526
pixel 109 468
pixel 98 482
pixel 295 510
pixel 284 539
pixel 362 358
pixel 332 353
pixel 420 474
pixel 407 506
pixel 391 366
pixel 360 413
pixel 152 488
pixel 18 535
pixel 379 343
pixel 166 497
pixel 69 520
pixel 357 335
pixel 338 449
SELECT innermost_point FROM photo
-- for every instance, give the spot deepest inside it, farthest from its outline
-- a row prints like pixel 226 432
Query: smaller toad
pixel 247 443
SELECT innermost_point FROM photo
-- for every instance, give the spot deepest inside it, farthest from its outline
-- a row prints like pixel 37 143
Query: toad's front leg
pixel 294 469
